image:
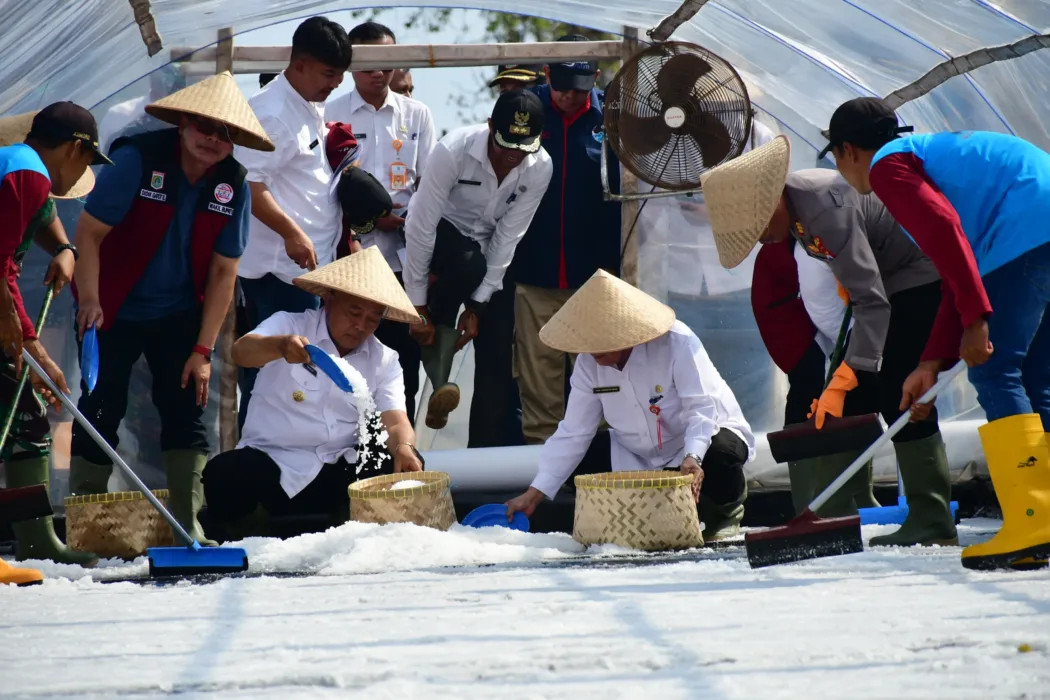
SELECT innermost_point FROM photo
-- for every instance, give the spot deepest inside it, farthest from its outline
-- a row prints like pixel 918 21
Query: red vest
pixel 130 246
pixel 786 328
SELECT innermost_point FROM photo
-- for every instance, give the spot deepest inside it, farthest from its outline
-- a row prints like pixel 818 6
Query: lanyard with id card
pixel 398 170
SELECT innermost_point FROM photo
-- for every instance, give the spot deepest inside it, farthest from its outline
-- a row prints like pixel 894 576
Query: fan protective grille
pixel 674 111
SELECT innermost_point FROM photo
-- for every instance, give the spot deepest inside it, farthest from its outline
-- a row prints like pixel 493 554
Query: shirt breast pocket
pixel 305 381
pixel 622 413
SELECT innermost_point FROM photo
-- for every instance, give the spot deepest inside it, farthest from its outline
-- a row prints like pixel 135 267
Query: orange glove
pixel 843 294
pixel 833 399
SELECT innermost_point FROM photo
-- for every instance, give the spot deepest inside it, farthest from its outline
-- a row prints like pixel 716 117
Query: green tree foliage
pixel 500 27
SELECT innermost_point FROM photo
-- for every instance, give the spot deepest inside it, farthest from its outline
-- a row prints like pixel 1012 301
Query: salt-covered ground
pixel 407 612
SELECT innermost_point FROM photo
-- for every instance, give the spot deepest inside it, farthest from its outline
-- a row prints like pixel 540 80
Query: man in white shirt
pixel 295 225
pixel 482 188
pixel 301 446
pixel 667 407
pixel 394 134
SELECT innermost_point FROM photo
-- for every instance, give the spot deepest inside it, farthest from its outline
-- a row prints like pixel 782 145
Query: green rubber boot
pixel 721 521
pixel 801 475
pixel 927 486
pixel 255 524
pixel 437 362
pixel 845 501
pixel 36 538
pixel 87 478
pixel 185 490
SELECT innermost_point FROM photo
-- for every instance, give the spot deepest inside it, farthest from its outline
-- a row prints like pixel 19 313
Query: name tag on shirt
pixel 470 182
pixel 606 389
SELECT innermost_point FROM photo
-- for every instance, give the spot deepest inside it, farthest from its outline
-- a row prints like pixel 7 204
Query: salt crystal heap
pixel 370 429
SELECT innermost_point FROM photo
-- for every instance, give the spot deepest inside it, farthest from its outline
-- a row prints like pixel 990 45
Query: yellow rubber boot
pixel 19 577
pixel 1019 464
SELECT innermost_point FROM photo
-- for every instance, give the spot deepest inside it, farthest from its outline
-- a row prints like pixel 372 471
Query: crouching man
pixel 300 450
pixel 667 407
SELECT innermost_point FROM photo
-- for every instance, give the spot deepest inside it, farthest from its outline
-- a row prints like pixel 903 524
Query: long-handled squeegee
pixel 808 536
pixel 163 561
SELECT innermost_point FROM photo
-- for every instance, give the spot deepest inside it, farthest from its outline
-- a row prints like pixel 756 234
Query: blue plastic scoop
pixel 89 358
pixel 495 515
pixel 326 364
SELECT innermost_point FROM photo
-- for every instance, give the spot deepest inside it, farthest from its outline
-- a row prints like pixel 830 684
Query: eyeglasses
pixel 210 127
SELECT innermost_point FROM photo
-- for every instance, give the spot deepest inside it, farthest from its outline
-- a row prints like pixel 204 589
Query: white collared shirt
pixel 399 118
pixel 461 186
pixel 301 436
pixel 695 403
pixel 818 289
pixel 299 177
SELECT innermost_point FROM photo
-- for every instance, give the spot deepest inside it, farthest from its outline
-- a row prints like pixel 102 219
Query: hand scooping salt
pixel 407 484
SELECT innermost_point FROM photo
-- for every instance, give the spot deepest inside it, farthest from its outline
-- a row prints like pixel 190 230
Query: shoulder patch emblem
pixel 817 249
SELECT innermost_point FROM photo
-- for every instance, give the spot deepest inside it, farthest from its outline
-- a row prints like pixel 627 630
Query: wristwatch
pixel 201 350
pixel 68 246
pixel 474 306
pixel 693 455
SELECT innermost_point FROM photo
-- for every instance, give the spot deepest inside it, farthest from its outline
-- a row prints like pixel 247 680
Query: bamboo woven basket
pixel 430 505
pixel 119 525
pixel 646 510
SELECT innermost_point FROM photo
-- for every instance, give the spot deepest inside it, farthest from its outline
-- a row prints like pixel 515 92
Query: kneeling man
pixel 299 450
pixel 667 407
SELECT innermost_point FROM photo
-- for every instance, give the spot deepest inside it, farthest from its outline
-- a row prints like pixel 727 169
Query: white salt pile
pixel 407 484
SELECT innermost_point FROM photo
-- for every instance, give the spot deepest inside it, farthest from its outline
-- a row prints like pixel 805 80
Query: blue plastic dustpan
pixel 894 515
pixel 326 364
pixel 89 358
pixel 495 515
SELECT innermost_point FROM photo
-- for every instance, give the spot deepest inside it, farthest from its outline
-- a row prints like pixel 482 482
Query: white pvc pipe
pixel 513 468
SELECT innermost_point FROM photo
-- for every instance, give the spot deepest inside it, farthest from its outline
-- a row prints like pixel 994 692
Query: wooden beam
pixel 272 59
pixel 628 182
pixel 668 25
pixel 228 432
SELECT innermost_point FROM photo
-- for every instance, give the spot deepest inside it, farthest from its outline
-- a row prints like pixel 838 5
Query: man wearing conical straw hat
pixel 159 239
pixel 667 407
pixel 301 446
pixel 44 153
pixel 895 293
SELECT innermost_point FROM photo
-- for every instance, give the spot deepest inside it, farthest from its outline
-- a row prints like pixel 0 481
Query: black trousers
pixel 459 268
pixel 723 465
pixel 395 336
pixel 166 343
pixel 912 312
pixel 805 383
pixel 238 481
pixel 495 409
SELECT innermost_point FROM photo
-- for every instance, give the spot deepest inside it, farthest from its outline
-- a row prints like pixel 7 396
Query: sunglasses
pixel 210 127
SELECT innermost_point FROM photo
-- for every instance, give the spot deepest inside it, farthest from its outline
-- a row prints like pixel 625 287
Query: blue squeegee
pixel 163 561
pixel 895 515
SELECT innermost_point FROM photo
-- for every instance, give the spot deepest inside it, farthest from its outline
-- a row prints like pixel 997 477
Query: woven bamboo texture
pixel 645 510
pixel 430 505
pixel 119 525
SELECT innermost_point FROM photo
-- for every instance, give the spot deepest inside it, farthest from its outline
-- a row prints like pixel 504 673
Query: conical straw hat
pixel 220 99
pixel 14 129
pixel 604 315
pixel 742 195
pixel 364 274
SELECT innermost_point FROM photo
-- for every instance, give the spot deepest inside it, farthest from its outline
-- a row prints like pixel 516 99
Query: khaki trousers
pixel 539 369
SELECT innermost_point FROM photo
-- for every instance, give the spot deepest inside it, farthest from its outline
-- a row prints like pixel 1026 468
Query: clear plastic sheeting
pixel 800 60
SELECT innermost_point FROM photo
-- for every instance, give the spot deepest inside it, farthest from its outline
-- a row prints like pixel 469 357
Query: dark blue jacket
pixel 575 231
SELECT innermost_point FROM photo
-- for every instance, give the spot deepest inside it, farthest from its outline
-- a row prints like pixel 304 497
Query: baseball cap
pixel 340 144
pixel 66 121
pixel 518 120
pixel 363 199
pixel 579 75
pixel 518 72
pixel 866 122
